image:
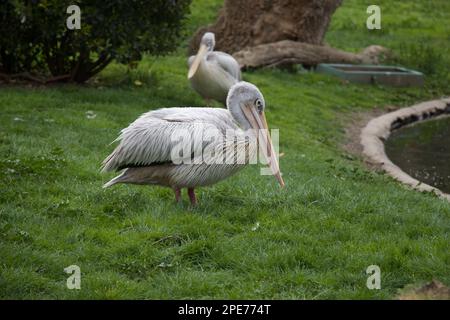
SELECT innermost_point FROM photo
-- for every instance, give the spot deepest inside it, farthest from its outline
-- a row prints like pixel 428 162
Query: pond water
pixel 423 151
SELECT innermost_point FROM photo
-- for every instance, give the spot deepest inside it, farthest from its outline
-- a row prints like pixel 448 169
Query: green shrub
pixel 35 39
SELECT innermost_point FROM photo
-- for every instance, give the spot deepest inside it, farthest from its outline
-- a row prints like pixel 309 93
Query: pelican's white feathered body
pixel 216 143
pixel 146 145
pixel 213 73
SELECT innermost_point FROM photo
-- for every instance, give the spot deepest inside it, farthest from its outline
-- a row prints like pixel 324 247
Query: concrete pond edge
pixel 377 131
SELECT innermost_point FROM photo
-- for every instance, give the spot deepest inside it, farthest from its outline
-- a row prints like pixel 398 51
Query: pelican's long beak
pixel 198 58
pixel 258 122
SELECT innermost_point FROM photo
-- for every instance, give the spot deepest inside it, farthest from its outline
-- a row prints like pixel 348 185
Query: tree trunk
pixel 247 23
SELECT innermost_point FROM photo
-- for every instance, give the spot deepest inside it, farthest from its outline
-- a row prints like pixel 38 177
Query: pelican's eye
pixel 259 105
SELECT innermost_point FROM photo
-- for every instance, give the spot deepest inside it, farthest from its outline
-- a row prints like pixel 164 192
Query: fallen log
pixel 288 52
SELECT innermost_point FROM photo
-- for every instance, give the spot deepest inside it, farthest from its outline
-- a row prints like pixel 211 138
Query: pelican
pixel 145 148
pixel 212 73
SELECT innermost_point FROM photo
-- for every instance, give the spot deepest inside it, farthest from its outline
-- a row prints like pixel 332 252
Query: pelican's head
pixel 209 40
pixel 246 104
pixel 206 45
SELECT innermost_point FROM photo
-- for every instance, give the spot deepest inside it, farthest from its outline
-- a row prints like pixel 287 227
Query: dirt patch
pixel 358 120
pixel 433 290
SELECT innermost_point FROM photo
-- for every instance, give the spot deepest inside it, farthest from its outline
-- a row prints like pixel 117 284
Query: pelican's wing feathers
pixel 148 140
pixel 227 63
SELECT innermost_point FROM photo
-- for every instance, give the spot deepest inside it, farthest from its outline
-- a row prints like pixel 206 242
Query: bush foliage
pixel 35 39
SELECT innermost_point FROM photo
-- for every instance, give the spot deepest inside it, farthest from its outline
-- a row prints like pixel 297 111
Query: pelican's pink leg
pixel 177 194
pixel 191 193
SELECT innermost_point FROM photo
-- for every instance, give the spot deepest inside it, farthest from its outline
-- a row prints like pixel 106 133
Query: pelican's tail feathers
pixel 109 164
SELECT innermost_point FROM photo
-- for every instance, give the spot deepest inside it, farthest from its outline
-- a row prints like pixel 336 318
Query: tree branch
pixel 292 52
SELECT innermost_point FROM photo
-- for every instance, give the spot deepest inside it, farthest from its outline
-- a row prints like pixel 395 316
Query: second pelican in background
pixel 212 73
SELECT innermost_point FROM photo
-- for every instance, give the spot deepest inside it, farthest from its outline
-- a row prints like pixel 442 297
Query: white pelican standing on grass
pixel 212 73
pixel 145 149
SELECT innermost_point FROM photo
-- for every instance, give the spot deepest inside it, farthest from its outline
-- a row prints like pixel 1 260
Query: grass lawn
pixel 315 238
